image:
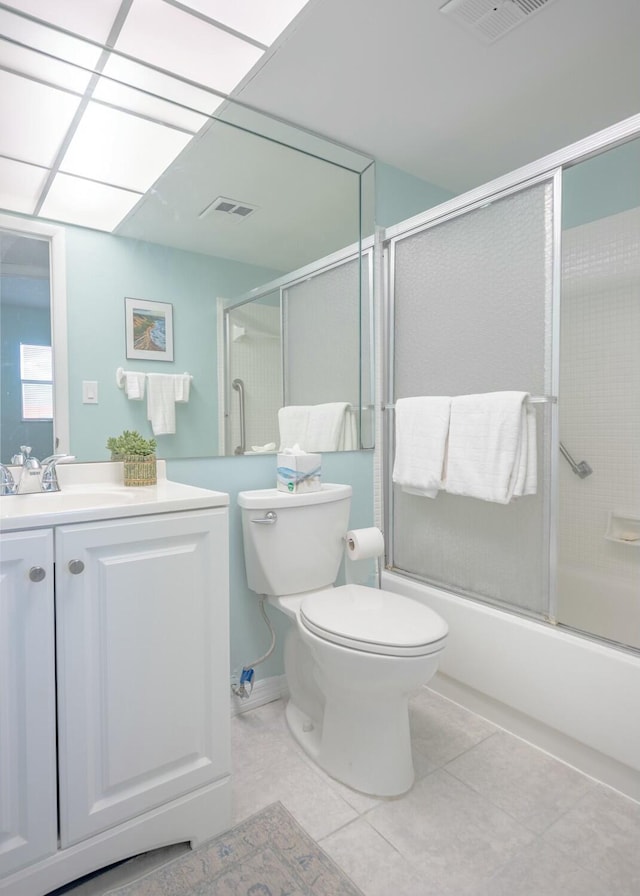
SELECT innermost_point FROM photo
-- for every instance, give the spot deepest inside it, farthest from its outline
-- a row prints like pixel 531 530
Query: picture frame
pixel 149 329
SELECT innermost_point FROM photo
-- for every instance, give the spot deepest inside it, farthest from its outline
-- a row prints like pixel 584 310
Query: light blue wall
pixel 604 185
pixel 101 271
pixel 400 195
pixel 249 636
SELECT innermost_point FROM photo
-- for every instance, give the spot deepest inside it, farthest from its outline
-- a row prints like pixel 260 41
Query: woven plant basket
pixel 139 469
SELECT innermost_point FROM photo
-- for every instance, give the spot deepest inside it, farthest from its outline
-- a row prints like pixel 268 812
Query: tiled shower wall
pixel 599 410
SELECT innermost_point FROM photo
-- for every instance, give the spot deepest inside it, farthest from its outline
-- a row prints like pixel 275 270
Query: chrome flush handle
pixel 269 519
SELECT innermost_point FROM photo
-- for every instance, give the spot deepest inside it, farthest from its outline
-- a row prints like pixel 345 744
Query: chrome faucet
pixel 30 473
pixel 36 476
pixel 49 481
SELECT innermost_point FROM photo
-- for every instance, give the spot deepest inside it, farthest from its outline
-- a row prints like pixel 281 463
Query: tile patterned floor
pixel 489 815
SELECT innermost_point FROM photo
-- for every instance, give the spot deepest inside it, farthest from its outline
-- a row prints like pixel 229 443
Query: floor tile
pixel 442 730
pixel 449 833
pixel 540 870
pixel 602 834
pixel 526 782
pixel 371 862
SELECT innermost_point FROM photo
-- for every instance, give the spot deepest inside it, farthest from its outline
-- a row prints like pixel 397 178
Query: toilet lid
pixel 373 620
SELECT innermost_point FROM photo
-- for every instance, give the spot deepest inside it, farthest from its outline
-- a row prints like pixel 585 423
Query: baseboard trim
pixel 266 690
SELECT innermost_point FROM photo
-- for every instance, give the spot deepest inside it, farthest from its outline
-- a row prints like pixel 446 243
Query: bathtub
pixel 572 696
pixel 597 603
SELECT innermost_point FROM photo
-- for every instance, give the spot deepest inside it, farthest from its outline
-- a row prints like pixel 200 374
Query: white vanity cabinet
pixel 114 686
pixel 28 821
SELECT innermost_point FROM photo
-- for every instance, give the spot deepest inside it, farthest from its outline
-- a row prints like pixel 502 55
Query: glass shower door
pixel 472 313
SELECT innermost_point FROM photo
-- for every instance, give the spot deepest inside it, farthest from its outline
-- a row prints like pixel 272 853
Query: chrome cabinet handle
pixel 37 573
pixel 75 567
pixel 269 519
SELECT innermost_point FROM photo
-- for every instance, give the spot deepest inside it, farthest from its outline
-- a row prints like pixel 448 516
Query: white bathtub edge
pixel 573 697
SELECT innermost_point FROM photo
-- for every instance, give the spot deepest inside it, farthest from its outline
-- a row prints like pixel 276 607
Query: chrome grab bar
pixel 238 385
pixel 581 468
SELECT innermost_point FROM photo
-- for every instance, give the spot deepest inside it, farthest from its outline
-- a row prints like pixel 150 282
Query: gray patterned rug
pixel 267 855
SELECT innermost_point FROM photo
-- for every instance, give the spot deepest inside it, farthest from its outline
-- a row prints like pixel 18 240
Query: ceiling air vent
pixel 491 19
pixel 229 207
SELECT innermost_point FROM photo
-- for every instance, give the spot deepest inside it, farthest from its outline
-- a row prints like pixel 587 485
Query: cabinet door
pixel 28 816
pixel 143 670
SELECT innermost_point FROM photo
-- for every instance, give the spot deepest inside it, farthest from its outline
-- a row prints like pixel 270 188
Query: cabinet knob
pixel 37 573
pixel 75 567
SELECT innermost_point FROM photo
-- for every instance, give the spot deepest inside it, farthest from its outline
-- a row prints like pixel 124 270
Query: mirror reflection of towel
pixel 318 427
pixel 161 403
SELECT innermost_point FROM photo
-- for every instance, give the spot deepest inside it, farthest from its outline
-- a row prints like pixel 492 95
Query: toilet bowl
pixel 353 654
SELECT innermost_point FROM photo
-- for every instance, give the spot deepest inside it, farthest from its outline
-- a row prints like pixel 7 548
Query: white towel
pixel 492 447
pixel 318 427
pixel 182 386
pixel 293 421
pixel 132 382
pixel 161 403
pixel 422 424
pixel 326 426
pixel 134 385
pixel 349 436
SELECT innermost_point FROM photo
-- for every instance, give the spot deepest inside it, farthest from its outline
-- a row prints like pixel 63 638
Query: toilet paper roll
pixel 365 543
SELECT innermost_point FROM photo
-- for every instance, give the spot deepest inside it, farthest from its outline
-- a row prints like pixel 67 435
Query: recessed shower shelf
pixel 623 528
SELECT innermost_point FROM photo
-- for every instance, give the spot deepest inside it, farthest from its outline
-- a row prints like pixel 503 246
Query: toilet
pixel 353 654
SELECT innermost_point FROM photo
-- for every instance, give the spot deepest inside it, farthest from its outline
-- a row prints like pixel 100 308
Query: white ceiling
pixel 396 80
pixel 404 83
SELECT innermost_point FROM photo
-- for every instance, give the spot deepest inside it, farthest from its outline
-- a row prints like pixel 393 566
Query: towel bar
pixel 532 399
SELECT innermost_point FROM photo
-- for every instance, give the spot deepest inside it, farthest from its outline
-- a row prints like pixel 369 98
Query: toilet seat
pixel 374 621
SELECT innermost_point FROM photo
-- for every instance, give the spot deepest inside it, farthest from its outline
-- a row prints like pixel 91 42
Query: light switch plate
pixel 89 392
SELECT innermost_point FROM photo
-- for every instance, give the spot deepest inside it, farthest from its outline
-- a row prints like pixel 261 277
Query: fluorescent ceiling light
pixel 92 20
pixel 261 20
pixel 163 86
pixel 20 185
pixel 121 149
pixel 33 64
pixel 86 203
pixel 39 118
pixel 171 39
pixel 47 40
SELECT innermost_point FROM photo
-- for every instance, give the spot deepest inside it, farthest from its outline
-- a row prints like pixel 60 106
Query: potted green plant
pixel 138 456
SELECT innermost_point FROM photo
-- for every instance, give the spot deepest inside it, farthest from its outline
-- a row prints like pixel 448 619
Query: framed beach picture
pixel 149 328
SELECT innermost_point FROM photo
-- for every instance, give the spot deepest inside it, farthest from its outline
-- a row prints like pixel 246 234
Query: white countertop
pixel 92 492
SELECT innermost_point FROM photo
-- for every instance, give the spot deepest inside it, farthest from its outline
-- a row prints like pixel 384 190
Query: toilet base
pixel 344 746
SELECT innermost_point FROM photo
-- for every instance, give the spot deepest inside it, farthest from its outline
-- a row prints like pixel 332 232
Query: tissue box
pixel 299 473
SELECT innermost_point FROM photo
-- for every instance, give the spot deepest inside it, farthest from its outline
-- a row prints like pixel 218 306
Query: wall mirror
pixel 129 186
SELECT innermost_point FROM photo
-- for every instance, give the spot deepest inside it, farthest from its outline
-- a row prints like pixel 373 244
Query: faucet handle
pixel 49 482
pixel 7 484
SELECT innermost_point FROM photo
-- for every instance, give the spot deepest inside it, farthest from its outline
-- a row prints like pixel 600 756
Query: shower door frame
pixel 546 170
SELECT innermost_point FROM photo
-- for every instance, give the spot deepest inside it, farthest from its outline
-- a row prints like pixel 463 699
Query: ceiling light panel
pixel 38 118
pixel 92 20
pixel 37 66
pixel 121 149
pixel 82 202
pixel 169 110
pixel 175 41
pixel 48 41
pixel 255 18
pixel 20 185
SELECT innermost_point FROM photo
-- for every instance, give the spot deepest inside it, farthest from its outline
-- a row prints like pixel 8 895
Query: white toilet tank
pixel 301 548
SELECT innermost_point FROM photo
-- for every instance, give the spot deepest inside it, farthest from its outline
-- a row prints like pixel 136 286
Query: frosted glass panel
pixel 472 314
